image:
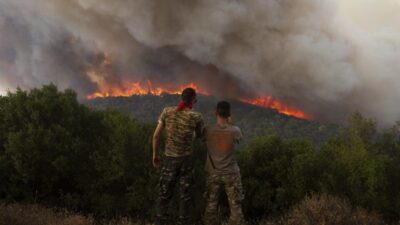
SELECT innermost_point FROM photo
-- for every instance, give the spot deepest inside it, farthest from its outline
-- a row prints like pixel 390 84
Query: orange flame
pixel 269 102
pixel 99 76
pixel 138 88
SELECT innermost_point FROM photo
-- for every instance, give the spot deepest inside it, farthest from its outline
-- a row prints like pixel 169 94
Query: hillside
pixel 254 121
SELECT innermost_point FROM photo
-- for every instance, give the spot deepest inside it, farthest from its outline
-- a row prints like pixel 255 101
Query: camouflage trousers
pixel 175 170
pixel 233 187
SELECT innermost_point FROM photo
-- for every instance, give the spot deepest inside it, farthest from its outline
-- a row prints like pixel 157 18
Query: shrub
pixel 329 210
pixel 25 214
pixel 56 151
pixel 277 174
pixel 17 214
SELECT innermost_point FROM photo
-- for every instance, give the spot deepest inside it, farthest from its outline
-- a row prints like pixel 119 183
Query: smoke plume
pixel 328 58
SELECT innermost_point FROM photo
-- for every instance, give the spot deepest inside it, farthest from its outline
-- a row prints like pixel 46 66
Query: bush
pixel 56 151
pixel 277 174
pixel 358 164
pixel 329 210
pixel 355 169
pixel 17 214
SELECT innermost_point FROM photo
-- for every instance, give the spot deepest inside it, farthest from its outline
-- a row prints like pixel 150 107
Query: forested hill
pixel 254 121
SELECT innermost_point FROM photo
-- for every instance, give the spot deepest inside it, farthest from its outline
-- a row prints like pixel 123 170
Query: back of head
pixel 188 95
pixel 224 109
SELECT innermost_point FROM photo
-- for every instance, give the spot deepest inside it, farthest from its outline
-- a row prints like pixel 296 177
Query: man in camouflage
pixel 182 125
pixel 222 168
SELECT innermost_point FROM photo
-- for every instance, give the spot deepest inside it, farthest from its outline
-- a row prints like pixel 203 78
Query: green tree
pixel 276 174
pixel 353 166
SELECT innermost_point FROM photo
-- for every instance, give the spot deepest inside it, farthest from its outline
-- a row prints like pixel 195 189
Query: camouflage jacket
pixel 181 128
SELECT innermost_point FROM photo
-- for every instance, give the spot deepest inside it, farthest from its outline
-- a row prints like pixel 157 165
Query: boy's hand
pixel 156 161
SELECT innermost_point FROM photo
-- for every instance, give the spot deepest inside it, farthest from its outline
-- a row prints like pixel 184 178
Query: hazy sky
pixel 327 57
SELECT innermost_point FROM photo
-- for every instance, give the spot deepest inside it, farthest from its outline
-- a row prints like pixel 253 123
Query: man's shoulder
pixel 193 113
pixel 196 113
pixel 168 109
pixel 188 113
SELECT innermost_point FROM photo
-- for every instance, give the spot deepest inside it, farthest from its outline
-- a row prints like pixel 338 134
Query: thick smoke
pixel 328 57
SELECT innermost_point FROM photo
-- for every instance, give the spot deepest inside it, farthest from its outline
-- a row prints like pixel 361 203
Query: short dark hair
pixel 224 109
pixel 188 95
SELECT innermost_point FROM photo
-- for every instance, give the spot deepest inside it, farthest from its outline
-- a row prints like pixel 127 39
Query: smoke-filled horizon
pixel 328 58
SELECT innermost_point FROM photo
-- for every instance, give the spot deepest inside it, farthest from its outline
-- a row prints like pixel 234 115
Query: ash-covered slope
pixel 254 121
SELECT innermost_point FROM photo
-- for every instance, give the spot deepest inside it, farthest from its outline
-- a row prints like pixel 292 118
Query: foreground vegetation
pixel 314 210
pixel 25 214
pixel 59 153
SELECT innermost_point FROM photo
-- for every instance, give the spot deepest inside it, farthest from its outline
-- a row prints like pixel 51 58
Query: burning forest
pixel 310 59
pixel 138 88
pixel 126 89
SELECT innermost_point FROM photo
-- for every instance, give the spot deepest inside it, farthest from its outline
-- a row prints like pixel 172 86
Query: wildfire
pixel 138 88
pixel 148 88
pixel 269 102
pixel 100 74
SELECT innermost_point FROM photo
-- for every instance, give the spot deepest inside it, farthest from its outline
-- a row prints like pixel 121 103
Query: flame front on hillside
pixel 138 88
pixel 269 102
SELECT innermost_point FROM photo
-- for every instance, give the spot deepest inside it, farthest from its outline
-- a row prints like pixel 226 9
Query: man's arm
pixel 199 130
pixel 156 144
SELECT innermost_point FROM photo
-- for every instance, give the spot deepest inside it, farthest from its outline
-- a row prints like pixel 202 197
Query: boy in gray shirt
pixel 222 168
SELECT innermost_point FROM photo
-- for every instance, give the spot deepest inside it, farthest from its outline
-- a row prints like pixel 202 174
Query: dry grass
pixel 329 210
pixel 18 214
pixel 314 210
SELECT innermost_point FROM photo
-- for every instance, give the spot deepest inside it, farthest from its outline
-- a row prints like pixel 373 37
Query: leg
pixel 169 173
pixel 234 191
pixel 213 188
pixel 185 191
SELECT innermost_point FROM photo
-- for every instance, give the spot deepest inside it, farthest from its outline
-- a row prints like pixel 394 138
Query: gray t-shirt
pixel 221 143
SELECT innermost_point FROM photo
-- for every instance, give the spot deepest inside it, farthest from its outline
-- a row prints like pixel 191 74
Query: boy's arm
pixel 239 135
pixel 156 143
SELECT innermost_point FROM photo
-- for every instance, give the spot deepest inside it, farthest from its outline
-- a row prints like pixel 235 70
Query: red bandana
pixel 183 105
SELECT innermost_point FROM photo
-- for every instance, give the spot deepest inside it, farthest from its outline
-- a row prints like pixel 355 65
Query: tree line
pixel 58 152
